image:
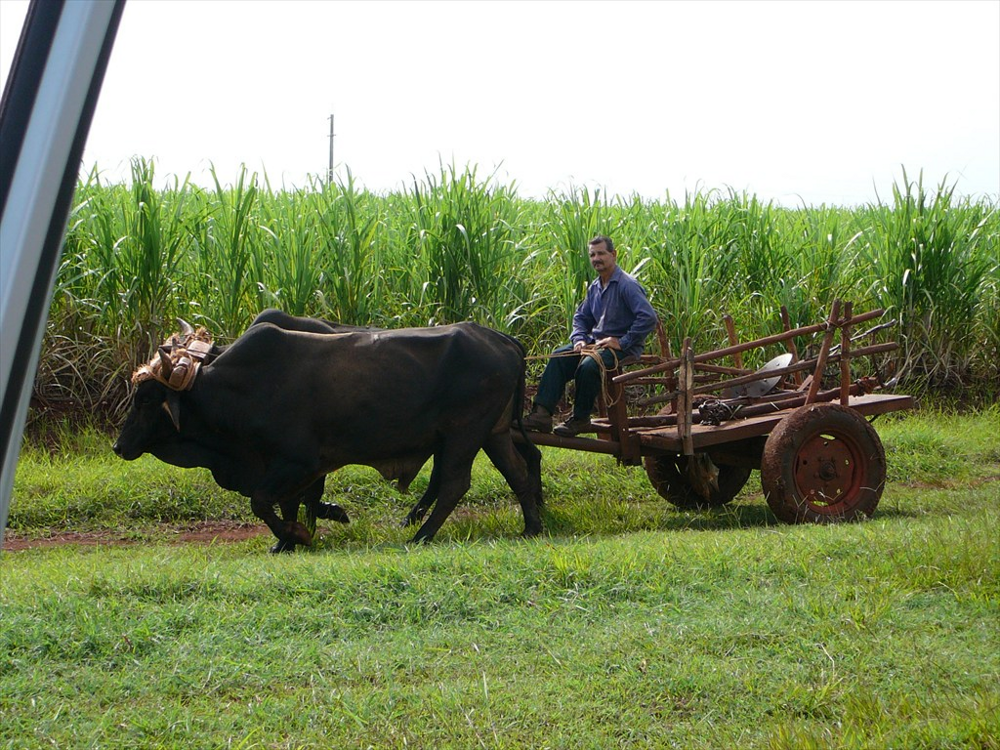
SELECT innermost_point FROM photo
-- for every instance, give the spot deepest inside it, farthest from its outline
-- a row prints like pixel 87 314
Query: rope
pixel 592 351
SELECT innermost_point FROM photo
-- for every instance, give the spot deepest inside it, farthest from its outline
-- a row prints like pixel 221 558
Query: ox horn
pixel 173 407
pixel 166 366
pixel 186 329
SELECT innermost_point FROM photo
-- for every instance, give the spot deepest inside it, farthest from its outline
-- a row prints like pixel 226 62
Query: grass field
pixel 628 624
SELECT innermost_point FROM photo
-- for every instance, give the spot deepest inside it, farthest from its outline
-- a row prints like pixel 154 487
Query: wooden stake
pixel 733 341
pixel 824 352
pixel 786 324
pixel 845 357
pixel 670 364
pixel 684 404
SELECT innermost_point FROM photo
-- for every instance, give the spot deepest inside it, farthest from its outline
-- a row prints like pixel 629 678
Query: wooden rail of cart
pixel 819 457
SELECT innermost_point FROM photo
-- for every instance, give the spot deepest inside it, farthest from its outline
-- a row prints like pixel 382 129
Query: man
pixel 612 323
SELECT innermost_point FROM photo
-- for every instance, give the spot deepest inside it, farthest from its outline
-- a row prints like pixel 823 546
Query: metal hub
pixel 827 472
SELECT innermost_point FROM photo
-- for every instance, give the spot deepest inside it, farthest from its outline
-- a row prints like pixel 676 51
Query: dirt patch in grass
pixel 208 532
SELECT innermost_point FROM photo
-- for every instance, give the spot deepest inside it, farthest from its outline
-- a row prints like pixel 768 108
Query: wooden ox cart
pixel 819 457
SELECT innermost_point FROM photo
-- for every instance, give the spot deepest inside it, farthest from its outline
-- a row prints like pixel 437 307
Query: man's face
pixel 600 258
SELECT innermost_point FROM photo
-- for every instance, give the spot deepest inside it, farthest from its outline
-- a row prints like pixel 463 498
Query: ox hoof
pixel 280 547
pixel 297 533
pixel 332 512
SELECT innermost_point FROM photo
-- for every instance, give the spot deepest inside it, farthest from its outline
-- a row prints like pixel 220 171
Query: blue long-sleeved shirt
pixel 620 309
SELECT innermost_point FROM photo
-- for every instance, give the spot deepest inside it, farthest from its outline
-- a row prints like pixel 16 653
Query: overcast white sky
pixel 814 101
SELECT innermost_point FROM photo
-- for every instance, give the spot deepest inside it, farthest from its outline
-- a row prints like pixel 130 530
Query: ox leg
pixel 289 512
pixel 331 512
pixel 523 476
pixel 290 532
pixel 315 508
pixel 418 511
pixel 456 477
pixel 533 460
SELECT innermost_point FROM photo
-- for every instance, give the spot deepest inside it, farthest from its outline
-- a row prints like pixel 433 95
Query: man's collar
pixel 615 275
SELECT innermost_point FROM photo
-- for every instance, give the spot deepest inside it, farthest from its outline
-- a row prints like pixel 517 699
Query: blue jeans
pixel 559 370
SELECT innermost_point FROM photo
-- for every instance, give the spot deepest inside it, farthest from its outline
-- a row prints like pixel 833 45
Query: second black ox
pixel 279 409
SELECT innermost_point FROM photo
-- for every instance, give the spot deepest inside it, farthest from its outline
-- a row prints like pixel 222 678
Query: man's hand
pixel 578 346
pixel 609 343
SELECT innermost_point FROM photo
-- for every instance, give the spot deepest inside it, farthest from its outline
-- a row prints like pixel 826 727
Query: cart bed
pixel 655 440
pixel 666 438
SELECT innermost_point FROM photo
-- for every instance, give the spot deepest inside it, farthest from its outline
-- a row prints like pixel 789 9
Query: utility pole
pixel 329 173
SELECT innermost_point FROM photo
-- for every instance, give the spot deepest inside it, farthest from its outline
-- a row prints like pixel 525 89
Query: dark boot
pixel 574 426
pixel 540 420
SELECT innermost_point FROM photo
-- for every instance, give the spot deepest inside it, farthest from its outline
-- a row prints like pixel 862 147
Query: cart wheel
pixel 669 477
pixel 823 463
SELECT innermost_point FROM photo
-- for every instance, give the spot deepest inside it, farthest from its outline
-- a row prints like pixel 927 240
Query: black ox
pixel 294 399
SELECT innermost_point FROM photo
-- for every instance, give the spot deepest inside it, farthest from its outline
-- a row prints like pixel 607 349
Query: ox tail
pixel 528 450
pixel 517 407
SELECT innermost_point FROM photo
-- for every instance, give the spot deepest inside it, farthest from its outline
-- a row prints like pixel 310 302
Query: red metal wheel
pixel 823 463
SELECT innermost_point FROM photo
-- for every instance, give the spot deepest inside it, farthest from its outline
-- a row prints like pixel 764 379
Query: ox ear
pixel 173 407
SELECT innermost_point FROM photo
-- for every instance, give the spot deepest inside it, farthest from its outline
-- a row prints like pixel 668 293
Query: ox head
pixel 152 421
pixel 154 418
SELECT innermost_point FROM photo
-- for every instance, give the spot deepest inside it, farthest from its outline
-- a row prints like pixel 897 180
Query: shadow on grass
pixel 750 513
pixel 606 519
pixel 562 518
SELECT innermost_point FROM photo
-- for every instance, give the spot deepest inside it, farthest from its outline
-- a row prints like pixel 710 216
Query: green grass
pixel 628 624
